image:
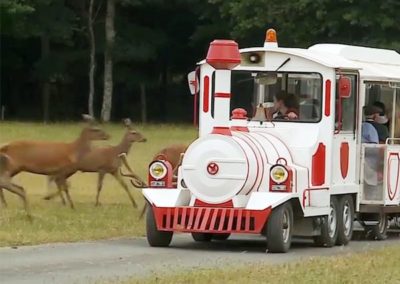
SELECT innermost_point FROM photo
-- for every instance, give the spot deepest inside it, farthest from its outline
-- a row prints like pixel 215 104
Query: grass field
pixel 56 223
pixel 381 266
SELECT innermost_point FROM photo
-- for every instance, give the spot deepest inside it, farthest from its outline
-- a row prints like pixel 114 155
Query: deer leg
pixel 2 198
pixel 66 190
pixel 51 179
pixel 18 190
pixel 99 187
pixel 118 177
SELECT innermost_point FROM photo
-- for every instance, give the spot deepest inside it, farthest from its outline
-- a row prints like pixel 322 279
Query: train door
pixel 380 164
pixel 344 152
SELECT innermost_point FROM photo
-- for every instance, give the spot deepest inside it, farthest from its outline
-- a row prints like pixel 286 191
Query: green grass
pixel 56 223
pixel 380 266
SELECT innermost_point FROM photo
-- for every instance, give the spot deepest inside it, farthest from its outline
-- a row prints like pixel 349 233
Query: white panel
pixel 263 200
pixel 319 198
pixel 240 201
pixel 167 197
pixel 392 180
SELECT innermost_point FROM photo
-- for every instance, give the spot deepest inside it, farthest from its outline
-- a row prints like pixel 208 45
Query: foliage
pixel 304 22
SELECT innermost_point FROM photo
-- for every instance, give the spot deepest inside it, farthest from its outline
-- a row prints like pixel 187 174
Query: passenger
pixel 369 134
pixel 287 106
pixel 372 115
pixel 278 103
pixel 382 118
pixel 372 173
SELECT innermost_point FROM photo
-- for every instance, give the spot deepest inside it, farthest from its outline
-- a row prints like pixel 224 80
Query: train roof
pixel 374 64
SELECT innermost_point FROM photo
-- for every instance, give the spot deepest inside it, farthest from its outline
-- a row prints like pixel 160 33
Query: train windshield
pixel 282 96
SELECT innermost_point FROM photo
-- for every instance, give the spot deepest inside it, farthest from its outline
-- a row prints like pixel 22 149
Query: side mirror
pixel 193 82
pixel 344 87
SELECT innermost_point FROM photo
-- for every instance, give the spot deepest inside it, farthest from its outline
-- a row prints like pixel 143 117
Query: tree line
pixel 120 58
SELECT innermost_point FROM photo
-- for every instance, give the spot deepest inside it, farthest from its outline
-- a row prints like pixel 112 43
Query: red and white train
pixel 250 173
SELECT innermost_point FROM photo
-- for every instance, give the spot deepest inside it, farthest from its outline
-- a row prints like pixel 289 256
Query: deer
pixel 58 159
pixel 108 160
pixel 173 154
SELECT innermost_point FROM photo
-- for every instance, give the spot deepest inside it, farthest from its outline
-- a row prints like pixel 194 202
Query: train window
pixel 347 107
pixel 387 98
pixel 302 92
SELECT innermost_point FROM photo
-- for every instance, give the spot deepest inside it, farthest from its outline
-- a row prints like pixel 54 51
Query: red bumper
pixel 210 219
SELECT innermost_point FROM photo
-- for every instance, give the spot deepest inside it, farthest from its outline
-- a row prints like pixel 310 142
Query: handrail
pixel 391 140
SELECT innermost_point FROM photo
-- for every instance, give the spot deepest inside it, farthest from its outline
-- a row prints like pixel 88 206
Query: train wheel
pixel 279 229
pixel 345 220
pixel 156 238
pixel 397 222
pixel 202 237
pixel 379 231
pixel 329 226
pixel 221 237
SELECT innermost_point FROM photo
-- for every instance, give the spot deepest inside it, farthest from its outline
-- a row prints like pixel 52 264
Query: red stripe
pixel 222 95
pixel 222 130
pixel 206 94
pixel 328 98
pixel 318 166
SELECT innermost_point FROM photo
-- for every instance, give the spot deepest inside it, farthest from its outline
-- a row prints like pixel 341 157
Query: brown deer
pixel 173 154
pixel 108 160
pixel 58 159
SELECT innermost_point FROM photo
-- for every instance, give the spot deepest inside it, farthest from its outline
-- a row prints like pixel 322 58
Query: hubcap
pixel 347 218
pixel 286 226
pixel 332 222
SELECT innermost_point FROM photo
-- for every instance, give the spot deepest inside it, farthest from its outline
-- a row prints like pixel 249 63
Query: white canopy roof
pixel 374 63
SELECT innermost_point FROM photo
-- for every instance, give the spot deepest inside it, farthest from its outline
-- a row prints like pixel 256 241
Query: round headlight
pixel 158 170
pixel 279 174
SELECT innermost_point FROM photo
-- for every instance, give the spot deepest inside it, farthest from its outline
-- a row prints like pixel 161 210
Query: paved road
pixel 89 261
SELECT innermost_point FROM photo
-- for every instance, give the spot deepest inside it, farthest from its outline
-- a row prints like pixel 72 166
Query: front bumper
pixel 210 219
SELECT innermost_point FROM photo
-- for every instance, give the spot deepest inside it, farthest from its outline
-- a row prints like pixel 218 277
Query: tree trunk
pixel 45 48
pixel 92 66
pixel 108 63
pixel 143 102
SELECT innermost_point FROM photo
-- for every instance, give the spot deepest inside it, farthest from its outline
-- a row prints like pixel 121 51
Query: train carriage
pixel 253 172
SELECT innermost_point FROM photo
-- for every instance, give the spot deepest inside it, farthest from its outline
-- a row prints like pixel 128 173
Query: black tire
pixel 345 220
pixel 221 237
pixel 202 237
pixel 379 231
pixel 329 226
pixel 397 222
pixel 279 229
pixel 156 238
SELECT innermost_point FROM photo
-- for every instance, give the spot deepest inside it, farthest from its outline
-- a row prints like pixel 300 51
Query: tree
pixel 108 62
pixel 92 64
pixel 305 22
pixel 47 21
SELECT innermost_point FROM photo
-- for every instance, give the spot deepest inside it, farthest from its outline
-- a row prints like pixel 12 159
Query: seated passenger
pixel 368 132
pixel 287 106
pixel 382 118
pixel 372 158
pixel 372 115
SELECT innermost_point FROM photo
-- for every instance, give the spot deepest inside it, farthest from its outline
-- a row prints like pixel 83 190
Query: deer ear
pixel 88 118
pixel 127 122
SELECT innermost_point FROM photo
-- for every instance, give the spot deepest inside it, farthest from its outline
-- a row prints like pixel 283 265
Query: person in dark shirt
pixel 287 106
pixel 371 115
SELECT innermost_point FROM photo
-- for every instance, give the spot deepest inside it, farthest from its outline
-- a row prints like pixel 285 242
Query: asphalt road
pixel 110 259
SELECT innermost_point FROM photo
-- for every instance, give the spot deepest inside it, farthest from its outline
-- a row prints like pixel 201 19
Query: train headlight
pixel 279 174
pixel 158 170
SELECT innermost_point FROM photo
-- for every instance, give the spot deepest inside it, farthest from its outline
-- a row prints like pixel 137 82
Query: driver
pixel 286 105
